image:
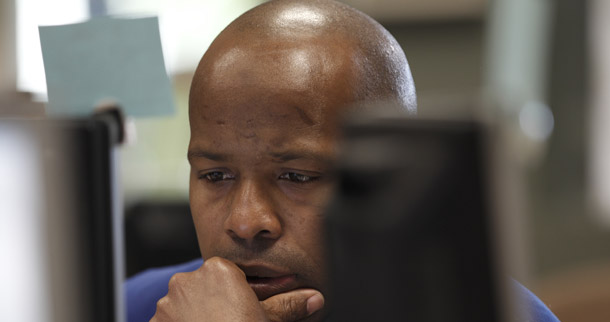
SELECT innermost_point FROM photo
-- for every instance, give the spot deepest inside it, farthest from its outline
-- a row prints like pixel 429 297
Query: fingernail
pixel 315 303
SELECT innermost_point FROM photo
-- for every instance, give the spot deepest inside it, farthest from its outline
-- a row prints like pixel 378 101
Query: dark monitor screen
pixel 408 230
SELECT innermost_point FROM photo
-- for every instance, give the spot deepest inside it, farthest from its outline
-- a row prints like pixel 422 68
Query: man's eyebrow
pixel 198 153
pixel 286 156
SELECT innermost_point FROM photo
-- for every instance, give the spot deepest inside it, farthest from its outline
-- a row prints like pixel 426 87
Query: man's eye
pixel 216 176
pixel 297 177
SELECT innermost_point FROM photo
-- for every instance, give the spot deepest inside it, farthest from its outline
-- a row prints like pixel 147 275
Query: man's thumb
pixel 293 305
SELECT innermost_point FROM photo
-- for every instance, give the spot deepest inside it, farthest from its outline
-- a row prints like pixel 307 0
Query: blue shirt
pixel 145 289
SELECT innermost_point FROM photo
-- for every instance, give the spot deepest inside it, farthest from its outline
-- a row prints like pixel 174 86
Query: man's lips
pixel 267 281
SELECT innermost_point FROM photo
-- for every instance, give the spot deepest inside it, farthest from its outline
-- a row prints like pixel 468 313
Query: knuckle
pixel 218 265
pixel 176 281
pixel 215 263
pixel 163 310
pixel 162 304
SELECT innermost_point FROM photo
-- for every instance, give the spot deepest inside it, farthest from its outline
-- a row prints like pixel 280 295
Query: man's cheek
pixel 207 244
pixel 206 237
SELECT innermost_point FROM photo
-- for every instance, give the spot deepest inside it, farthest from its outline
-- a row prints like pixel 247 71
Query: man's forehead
pixel 261 112
pixel 277 147
pixel 303 84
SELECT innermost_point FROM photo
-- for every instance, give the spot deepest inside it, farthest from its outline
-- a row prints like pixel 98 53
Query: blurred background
pixel 539 68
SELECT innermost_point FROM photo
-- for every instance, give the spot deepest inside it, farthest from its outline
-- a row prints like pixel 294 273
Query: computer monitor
pixel 409 230
pixel 68 219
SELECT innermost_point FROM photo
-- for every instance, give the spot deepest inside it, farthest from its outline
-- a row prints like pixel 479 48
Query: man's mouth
pixel 267 281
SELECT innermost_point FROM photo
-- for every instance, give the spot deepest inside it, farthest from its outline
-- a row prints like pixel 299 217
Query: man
pixel 264 108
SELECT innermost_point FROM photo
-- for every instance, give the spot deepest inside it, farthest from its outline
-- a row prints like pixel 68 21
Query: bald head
pixel 265 106
pixel 306 46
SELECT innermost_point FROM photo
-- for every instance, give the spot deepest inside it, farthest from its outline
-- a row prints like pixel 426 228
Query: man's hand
pixel 218 291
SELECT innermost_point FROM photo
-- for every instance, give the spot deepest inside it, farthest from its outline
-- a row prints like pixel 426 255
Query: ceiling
pixel 420 10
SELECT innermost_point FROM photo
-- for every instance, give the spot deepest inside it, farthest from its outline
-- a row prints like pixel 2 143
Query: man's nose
pixel 252 214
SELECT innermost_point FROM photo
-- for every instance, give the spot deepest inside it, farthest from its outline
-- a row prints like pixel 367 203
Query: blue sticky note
pixel 106 60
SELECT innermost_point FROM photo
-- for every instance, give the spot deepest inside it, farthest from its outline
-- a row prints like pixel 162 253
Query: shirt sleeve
pixel 534 308
pixel 143 290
